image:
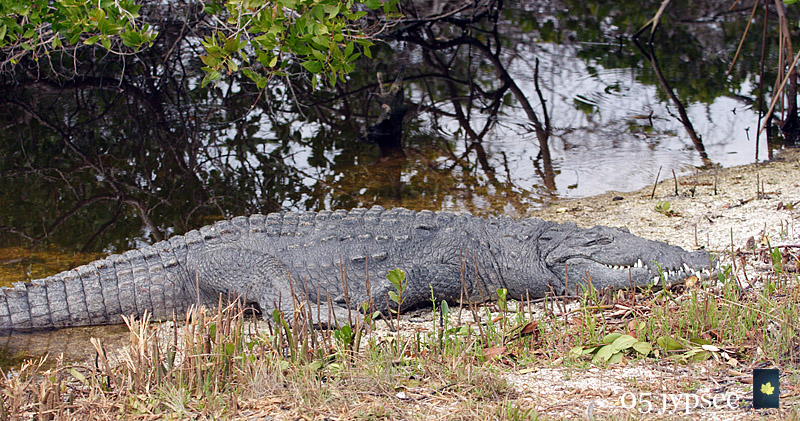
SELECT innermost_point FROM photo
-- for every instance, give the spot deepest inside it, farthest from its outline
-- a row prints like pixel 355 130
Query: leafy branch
pixel 259 38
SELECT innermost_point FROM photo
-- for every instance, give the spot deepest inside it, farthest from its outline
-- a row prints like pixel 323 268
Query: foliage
pixel 33 28
pixel 664 208
pixel 613 347
pixel 322 35
pixel 398 279
pixel 257 37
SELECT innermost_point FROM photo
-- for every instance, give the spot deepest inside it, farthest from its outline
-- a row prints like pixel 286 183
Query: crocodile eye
pixel 599 241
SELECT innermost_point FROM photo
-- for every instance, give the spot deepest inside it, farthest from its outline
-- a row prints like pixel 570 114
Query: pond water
pixel 498 111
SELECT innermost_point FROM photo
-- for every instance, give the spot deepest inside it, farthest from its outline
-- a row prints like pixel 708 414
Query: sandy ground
pixel 727 204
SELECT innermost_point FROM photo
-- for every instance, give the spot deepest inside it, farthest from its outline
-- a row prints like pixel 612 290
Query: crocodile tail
pixel 150 279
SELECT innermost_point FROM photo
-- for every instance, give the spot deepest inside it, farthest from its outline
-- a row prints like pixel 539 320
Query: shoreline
pixel 753 200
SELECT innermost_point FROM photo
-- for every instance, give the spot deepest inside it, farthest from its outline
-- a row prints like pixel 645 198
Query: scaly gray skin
pixel 268 259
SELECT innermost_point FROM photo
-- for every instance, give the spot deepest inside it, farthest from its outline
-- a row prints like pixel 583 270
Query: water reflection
pixel 494 107
pixel 73 344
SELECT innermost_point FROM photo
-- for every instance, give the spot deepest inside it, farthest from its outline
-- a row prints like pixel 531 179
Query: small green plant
pixel 698 349
pixel 502 299
pixel 398 279
pixel 664 208
pixel 344 335
pixel 515 413
pixel 777 260
pixel 612 348
pixel 280 321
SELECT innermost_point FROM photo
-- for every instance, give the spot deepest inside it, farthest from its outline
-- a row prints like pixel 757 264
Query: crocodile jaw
pixel 612 257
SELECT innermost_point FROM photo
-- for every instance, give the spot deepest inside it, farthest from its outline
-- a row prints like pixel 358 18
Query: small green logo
pixel 765 388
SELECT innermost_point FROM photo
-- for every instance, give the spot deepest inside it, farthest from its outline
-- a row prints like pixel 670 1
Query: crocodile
pixel 337 260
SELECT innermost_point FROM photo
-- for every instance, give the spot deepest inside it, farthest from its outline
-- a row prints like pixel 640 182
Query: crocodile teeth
pixel 639 263
pixel 655 280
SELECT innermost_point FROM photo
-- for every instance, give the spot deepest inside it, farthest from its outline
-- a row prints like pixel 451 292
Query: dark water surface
pixel 499 111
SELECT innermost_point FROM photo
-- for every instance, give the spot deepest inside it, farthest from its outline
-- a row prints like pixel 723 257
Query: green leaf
pixel 107 27
pixel 312 66
pixel 643 348
pixel 29 33
pixel 97 14
pixel 106 43
pixel 75 37
pixel 131 38
pixel 344 335
pixel 210 77
pixel 616 358
pixel 318 12
pixel 373 4
pixel 669 344
pixel 396 277
pixel 250 74
pixel 273 61
pixel 80 377
pixel 700 341
pixel 212 8
pixel 698 355
pixel 320 42
pixel 3 29
pixel 603 354
pixel 611 337
pixel 353 58
pixel 231 45
pixel 318 55
pixel 331 9
pixel 92 40
pixel 623 342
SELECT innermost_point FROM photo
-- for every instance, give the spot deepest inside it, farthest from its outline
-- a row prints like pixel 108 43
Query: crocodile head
pixel 613 257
